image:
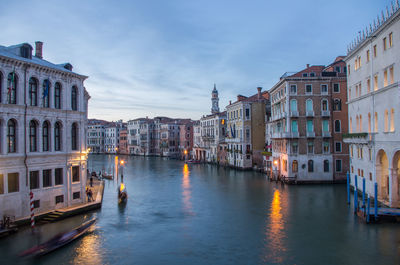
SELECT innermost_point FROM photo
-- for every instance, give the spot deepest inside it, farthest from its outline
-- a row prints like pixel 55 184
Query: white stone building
pixel 212 133
pixel 43 121
pixel 373 107
pixel 95 138
pixel 111 139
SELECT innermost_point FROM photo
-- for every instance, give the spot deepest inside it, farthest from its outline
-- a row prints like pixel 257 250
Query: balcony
pixel 310 134
pixel 294 134
pixel 310 113
pixel 325 113
pixel 326 134
pixel 294 113
pixel 358 138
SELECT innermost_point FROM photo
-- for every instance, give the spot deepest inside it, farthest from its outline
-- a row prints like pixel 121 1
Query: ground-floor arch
pixel 382 175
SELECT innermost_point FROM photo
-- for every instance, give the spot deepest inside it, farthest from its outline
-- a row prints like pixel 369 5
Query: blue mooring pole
pixel 355 194
pixel 368 204
pixel 363 194
pixel 376 201
pixel 348 187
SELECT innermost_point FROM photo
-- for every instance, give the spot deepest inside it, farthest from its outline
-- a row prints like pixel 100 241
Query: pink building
pixel 123 142
pixel 185 139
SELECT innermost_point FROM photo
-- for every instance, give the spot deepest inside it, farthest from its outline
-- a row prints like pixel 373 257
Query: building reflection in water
pixel 186 191
pixel 274 232
pixel 89 250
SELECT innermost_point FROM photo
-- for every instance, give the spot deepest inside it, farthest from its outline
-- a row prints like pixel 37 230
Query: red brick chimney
pixel 39 46
pixel 259 92
pixel 308 65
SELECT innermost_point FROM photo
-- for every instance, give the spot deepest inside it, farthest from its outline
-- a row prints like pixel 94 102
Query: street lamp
pixel 276 168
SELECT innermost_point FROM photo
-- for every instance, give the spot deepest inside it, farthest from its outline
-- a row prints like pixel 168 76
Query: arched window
pixel 309 105
pixel 351 125
pixel 337 104
pixel 74 136
pixel 46 93
pixel 11 136
pixel 392 120
pixel 337 126
pixel 386 120
pixel 295 166
pixel 57 95
pixel 324 105
pixel 326 165
pixel 33 89
pixel 12 88
pixel 376 122
pixel 46 136
pixel 369 122
pixel 57 136
pixel 32 136
pixel 74 98
pixel 310 166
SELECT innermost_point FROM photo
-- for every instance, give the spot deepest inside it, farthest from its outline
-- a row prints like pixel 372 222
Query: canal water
pixel 204 214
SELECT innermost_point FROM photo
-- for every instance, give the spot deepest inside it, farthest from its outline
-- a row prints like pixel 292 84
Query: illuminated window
pixel 368 85
pixel 385 78
pixel 392 120
pixel 390 39
pixel 351 125
pixel 391 72
pixel 375 51
pixel 295 166
pixel 367 56
pixel 375 82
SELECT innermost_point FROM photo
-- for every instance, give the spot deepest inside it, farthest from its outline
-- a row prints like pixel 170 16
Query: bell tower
pixel 214 101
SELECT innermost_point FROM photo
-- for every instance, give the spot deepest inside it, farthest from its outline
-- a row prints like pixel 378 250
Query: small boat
pixel 122 194
pixel 58 240
pixel 107 176
pixel 193 161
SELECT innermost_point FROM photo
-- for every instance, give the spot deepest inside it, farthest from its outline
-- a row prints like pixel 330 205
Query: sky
pixel 162 58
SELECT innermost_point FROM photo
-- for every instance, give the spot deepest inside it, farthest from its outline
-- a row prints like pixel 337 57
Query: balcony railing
pixel 310 113
pixel 325 113
pixel 310 134
pixel 358 138
pixel 326 134
pixel 295 134
pixel 294 113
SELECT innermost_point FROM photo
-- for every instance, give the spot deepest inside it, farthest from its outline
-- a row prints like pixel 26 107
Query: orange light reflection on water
pixel 89 250
pixel 187 194
pixel 275 246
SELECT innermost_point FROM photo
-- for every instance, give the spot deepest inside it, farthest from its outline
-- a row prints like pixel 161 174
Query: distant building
pixel 43 121
pixel 185 140
pixel 308 118
pixel 213 130
pixel 123 142
pixel 95 138
pixel 111 139
pixel 373 100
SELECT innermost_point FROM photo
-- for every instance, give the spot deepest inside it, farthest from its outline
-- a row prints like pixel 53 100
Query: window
pixel 338 147
pixel 390 39
pixel 74 136
pixel 375 51
pixel 391 73
pixel 325 125
pixel 13 182
pixel 75 174
pixel 348 67
pixel 74 98
pixel 294 147
pixel 46 137
pixel 33 86
pixel 326 165
pixel 59 199
pixel 293 89
pixel 247 114
pixel 57 136
pixel 325 147
pixel 310 147
pixel 336 88
pixel 324 89
pixel 76 195
pixel 36 204
pixel 57 96
pixel 337 105
pixel 310 166
pixel 12 88
pixel 351 125
pixel 392 120
pixel 369 122
pixel 367 56
pixel 384 44
pixel 34 180
pixel 368 85
pixel 312 74
pixel 308 89
pixel 32 136
pixel 293 105
pixel 295 166
pixel 309 105
pixel 46 93
pixel 324 105
pixel 375 82
pixel 11 136
pixel 1 184
pixel 337 126
pixel 305 74
pixel 386 121
pixel 310 126
pixel 58 176
pixel 338 165
pixel 295 126
pixel 385 78
pixel 337 69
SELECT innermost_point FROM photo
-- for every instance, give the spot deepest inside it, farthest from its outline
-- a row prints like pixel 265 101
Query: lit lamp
pixel 276 168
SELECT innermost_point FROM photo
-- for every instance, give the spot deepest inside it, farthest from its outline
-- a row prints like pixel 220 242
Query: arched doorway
pixel 396 178
pixel 382 175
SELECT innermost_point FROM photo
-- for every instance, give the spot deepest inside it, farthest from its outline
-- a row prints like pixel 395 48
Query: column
pixel 393 191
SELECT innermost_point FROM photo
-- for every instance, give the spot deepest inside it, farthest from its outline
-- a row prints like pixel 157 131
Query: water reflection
pixel 275 247
pixel 89 250
pixel 187 193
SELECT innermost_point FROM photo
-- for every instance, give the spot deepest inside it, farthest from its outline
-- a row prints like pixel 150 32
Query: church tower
pixel 214 101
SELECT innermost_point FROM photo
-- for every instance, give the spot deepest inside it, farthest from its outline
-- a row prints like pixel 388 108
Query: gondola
pixel 58 240
pixel 122 194
pixel 193 162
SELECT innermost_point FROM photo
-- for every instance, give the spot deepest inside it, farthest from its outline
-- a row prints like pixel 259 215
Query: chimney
pixel 230 102
pixel 308 65
pixel 39 46
pixel 259 92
